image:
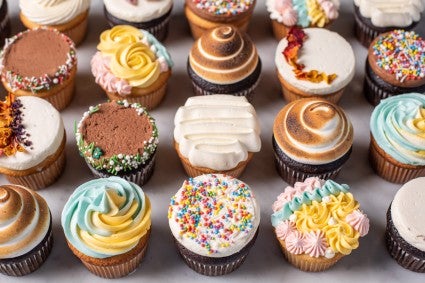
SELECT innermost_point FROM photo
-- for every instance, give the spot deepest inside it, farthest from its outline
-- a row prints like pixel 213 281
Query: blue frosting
pixel 301 7
pixel 161 51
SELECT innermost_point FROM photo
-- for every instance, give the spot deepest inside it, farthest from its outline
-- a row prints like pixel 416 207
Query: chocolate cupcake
pixel 25 231
pixel 405 228
pixel 118 139
pixel 311 137
pixel 153 16
pixel 214 220
pixel 375 17
pixel 5 28
pixel 224 61
pixel 395 65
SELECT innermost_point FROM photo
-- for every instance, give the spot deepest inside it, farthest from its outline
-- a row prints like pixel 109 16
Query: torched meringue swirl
pixel 24 220
pixel 223 56
pixel 313 131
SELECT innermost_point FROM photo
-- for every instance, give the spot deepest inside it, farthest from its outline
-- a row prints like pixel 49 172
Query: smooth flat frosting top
pixel 141 11
pixel 214 215
pixel 106 217
pixel 324 51
pixel 53 12
pixel 398 127
pixel 45 127
pixel 223 56
pixel 313 131
pixel 318 218
pixel 407 211
pixel 24 220
pixel 217 131
pixel 391 13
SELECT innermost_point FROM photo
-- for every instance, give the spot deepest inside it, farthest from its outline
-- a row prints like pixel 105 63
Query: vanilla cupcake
pixel 67 16
pixel 216 134
pixel 224 61
pixel 311 137
pixel 25 230
pixel 132 64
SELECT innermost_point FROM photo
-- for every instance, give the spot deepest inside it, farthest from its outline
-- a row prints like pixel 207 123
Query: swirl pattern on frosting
pixel 106 217
pixel 398 126
pixel 214 215
pixel 24 220
pixel 217 131
pixel 223 55
pixel 138 11
pixel 313 131
pixel 53 12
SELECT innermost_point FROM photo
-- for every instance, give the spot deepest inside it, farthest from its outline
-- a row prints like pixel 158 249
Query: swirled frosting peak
pixel 106 217
pixel 223 55
pixel 398 127
pixel 24 220
pixel 313 131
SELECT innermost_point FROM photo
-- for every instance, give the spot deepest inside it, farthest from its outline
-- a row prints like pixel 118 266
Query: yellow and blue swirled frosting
pixel 106 217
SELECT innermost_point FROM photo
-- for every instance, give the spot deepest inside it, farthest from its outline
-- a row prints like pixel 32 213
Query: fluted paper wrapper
pixel 248 93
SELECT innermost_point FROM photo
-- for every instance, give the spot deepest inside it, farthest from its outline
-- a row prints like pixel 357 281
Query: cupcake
pixel 397 138
pixel 317 223
pixel 216 134
pixel 5 27
pixel 314 62
pixel 131 64
pixel 214 220
pixel 67 16
pixel 100 135
pixel 224 61
pixel 25 230
pixel 42 63
pixel 285 14
pixel 153 16
pixel 107 224
pixel 311 137
pixel 375 17
pixel 404 234
pixel 395 65
pixel 32 141
pixel 203 15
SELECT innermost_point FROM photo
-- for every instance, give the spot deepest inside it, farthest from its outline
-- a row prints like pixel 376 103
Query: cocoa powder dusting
pixel 116 129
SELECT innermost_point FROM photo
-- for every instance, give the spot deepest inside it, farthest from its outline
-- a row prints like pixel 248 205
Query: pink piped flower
pixel 284 229
pixel 316 244
pixel 295 242
pixel 359 222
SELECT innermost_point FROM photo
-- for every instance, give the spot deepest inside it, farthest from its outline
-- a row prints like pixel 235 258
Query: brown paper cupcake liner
pixel 160 31
pixel 248 93
pixel 290 93
pixel 390 169
pixel 373 93
pixel 363 33
pixel 31 261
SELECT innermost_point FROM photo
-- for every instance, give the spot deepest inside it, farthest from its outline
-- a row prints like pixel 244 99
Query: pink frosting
pixel 295 242
pixel 104 77
pixel 330 9
pixel 359 221
pixel 315 243
pixel 289 15
pixel 284 229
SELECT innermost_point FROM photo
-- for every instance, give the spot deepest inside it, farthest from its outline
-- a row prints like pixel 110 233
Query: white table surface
pixel 369 263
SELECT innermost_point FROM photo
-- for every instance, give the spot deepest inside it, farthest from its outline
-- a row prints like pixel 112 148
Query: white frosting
pixel 324 51
pixel 217 131
pixel 391 13
pixel 144 11
pixel 53 12
pixel 45 126
pixel 408 210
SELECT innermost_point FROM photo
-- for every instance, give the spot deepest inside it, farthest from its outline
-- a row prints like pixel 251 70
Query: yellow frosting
pixel 312 217
pixel 135 63
pixel 316 14
pixel 118 36
pixel 342 205
pixel 342 237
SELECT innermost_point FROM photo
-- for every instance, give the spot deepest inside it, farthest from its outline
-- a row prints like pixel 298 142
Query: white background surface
pixel 369 263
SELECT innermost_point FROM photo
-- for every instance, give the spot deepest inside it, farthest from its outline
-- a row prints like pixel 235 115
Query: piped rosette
pixel 319 219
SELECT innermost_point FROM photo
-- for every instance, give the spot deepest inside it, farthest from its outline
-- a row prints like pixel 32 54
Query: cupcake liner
pixel 280 30
pixel 390 169
pixel 31 261
pixel 373 93
pixel 5 26
pixel 78 31
pixel 363 33
pixel 290 93
pixel 160 31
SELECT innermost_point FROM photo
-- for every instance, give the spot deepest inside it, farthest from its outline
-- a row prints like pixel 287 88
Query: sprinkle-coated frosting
pixel 401 53
pixel 224 7
pixel 214 215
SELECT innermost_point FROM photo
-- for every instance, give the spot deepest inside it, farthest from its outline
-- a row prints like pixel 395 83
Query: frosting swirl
pixel 223 55
pixel 313 131
pixel 53 12
pixel 116 37
pixel 398 126
pixel 106 217
pixel 24 220
pixel 138 11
